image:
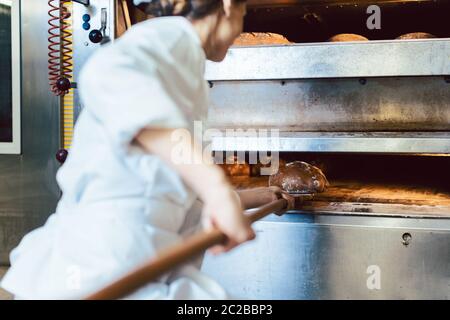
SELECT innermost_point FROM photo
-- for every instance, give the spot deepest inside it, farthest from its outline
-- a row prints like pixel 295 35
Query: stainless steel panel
pixel 300 256
pixel 324 112
pixel 28 189
pixel 381 104
pixel 383 142
pixel 334 60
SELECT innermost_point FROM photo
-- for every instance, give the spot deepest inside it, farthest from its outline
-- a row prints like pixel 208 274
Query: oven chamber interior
pixel 380 231
pixel 318 20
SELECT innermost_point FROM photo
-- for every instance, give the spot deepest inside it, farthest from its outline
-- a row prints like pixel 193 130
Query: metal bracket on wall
pixel 85 2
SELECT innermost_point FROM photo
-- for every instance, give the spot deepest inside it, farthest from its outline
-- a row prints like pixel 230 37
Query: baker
pixel 124 197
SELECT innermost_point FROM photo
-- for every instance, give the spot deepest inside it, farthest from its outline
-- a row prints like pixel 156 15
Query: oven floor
pixel 369 198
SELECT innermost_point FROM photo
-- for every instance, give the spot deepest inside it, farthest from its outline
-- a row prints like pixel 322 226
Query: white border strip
pixel 14 147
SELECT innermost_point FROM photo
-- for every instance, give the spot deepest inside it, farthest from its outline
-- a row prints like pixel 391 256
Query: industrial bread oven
pixel 373 114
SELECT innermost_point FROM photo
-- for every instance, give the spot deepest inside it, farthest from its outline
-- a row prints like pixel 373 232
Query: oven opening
pixel 368 184
pixel 318 21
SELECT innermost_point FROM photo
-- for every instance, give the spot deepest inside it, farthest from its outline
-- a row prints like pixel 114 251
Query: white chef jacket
pixel 120 205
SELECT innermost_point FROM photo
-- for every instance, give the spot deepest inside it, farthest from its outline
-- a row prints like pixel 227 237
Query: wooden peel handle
pixel 176 256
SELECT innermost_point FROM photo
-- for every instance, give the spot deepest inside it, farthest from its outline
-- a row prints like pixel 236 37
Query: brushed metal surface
pixel 383 58
pixel 381 142
pixel 327 114
pixel 381 104
pixel 28 189
pixel 324 257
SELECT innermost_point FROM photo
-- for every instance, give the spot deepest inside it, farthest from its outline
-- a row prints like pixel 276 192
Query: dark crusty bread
pixel 299 177
pixel 416 35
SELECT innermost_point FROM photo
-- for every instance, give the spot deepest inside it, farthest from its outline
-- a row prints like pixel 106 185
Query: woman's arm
pixel 221 205
pixel 256 197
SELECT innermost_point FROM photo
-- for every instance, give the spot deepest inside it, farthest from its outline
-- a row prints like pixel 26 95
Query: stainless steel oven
pixel 375 116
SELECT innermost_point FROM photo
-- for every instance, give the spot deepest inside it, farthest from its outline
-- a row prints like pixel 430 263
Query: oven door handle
pixel 177 255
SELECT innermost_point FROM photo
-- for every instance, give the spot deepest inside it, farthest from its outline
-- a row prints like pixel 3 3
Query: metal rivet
pixel 406 239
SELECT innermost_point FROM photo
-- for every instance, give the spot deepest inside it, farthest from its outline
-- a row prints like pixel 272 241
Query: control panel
pixel 93 26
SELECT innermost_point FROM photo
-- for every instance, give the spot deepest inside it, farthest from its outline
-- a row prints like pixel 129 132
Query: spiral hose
pixel 60 51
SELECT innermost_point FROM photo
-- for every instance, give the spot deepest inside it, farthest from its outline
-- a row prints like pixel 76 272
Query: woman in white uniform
pixel 125 198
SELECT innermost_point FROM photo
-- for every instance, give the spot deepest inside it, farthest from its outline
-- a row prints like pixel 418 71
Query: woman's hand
pixel 223 209
pixel 256 197
pixel 281 194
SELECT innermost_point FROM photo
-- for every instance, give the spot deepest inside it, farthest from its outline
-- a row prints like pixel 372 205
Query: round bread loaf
pixel 343 37
pixel 299 177
pixel 260 38
pixel 416 35
pixel 256 169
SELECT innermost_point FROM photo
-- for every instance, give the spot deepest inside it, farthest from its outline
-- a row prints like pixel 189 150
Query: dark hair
pixel 194 9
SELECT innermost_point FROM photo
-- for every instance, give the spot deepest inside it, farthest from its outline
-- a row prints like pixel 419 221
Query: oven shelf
pixel 375 209
pixel 352 198
pixel 360 142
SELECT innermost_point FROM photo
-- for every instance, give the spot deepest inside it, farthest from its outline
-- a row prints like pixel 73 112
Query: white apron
pixel 120 206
